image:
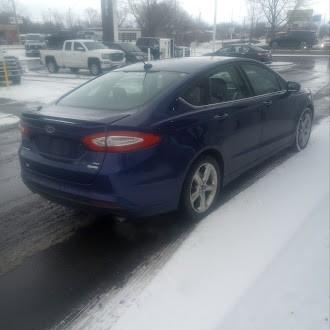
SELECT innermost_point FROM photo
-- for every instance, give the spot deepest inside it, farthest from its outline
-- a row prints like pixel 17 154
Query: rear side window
pixel 222 86
pixel 68 46
pixel 262 80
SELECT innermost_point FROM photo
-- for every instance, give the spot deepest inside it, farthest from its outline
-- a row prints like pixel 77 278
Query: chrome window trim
pixel 250 98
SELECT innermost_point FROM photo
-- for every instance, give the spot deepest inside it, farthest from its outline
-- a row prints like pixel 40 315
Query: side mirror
pixel 292 86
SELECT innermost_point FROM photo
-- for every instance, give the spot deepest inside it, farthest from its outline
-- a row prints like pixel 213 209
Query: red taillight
pixel 120 141
pixel 24 130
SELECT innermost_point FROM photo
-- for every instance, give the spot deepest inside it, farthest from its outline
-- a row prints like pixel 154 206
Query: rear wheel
pixel 201 188
pixel 95 68
pixel 303 130
pixel 52 66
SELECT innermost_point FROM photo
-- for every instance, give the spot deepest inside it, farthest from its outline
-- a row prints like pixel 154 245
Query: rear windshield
pixel 257 49
pixel 120 90
pixel 130 48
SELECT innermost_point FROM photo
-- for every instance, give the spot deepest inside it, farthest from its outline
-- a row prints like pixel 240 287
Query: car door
pixel 278 114
pixel 67 53
pixel 78 58
pixel 226 117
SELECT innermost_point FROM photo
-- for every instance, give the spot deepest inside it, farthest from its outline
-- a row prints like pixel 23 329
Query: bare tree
pixel 70 18
pixel 275 11
pixel 93 16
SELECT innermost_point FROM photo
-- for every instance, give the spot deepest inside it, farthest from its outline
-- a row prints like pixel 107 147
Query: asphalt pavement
pixel 54 261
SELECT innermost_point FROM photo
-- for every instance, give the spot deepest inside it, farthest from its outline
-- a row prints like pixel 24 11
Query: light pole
pixel 16 21
pixel 214 23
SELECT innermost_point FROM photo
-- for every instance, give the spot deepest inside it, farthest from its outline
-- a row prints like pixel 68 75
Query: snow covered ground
pixel 41 89
pixel 260 261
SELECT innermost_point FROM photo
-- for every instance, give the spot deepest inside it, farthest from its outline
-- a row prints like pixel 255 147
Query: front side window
pixel 223 86
pixel 120 90
pixel 78 46
pixel 262 80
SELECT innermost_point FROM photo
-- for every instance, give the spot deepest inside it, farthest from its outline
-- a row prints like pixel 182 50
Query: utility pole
pixel 215 24
pixel 16 21
pixel 109 20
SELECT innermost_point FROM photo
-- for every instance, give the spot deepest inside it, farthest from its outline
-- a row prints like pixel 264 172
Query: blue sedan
pixel 168 135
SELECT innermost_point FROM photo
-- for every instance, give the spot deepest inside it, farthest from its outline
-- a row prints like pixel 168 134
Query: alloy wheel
pixel 204 187
pixel 304 129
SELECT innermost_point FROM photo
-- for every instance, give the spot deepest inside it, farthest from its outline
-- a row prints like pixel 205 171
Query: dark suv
pixel 133 53
pixel 244 50
pixel 294 39
pixel 152 43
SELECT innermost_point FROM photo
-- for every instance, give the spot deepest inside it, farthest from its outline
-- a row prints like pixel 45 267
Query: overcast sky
pixel 227 10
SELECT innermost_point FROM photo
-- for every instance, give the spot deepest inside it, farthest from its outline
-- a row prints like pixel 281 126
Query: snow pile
pixel 39 90
pixel 7 120
pixel 260 261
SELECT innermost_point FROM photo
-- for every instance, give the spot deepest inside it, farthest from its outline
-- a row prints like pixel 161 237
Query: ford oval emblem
pixel 50 129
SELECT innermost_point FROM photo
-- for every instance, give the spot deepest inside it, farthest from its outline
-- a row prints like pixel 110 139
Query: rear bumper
pixel 120 188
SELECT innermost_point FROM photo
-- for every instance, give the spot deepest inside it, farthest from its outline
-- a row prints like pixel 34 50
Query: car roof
pixel 189 65
pixel 81 40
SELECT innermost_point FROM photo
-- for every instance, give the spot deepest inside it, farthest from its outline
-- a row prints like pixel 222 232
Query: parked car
pixel 132 53
pixel 326 43
pixel 294 39
pixel 82 54
pixel 167 135
pixel 10 65
pixel 33 47
pixel 244 50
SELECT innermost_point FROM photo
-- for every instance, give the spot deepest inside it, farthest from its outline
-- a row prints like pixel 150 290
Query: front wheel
pixel 95 68
pixel 303 130
pixel 201 188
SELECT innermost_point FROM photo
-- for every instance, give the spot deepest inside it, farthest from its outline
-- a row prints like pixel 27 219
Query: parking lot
pixel 71 261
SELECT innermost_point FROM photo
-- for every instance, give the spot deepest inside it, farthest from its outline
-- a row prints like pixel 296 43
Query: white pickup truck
pixel 83 54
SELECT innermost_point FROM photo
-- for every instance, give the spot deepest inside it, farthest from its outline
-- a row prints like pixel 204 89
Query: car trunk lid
pixel 52 144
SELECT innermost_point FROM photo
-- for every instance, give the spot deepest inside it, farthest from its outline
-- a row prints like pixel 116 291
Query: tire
pixel 52 66
pixel 303 130
pixel 275 45
pixel 193 205
pixel 95 68
pixel 303 45
pixel 17 80
pixel 74 70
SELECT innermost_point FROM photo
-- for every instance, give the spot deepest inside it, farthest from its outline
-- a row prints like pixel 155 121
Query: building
pixel 128 34
pixel 8 34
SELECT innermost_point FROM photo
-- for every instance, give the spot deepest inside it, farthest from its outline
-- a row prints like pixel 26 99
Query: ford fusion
pixel 163 136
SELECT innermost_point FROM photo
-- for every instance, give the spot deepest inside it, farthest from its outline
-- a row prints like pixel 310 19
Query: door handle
pixel 221 117
pixel 268 103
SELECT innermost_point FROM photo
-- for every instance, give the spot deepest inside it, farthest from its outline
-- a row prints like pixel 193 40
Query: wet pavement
pixel 55 261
